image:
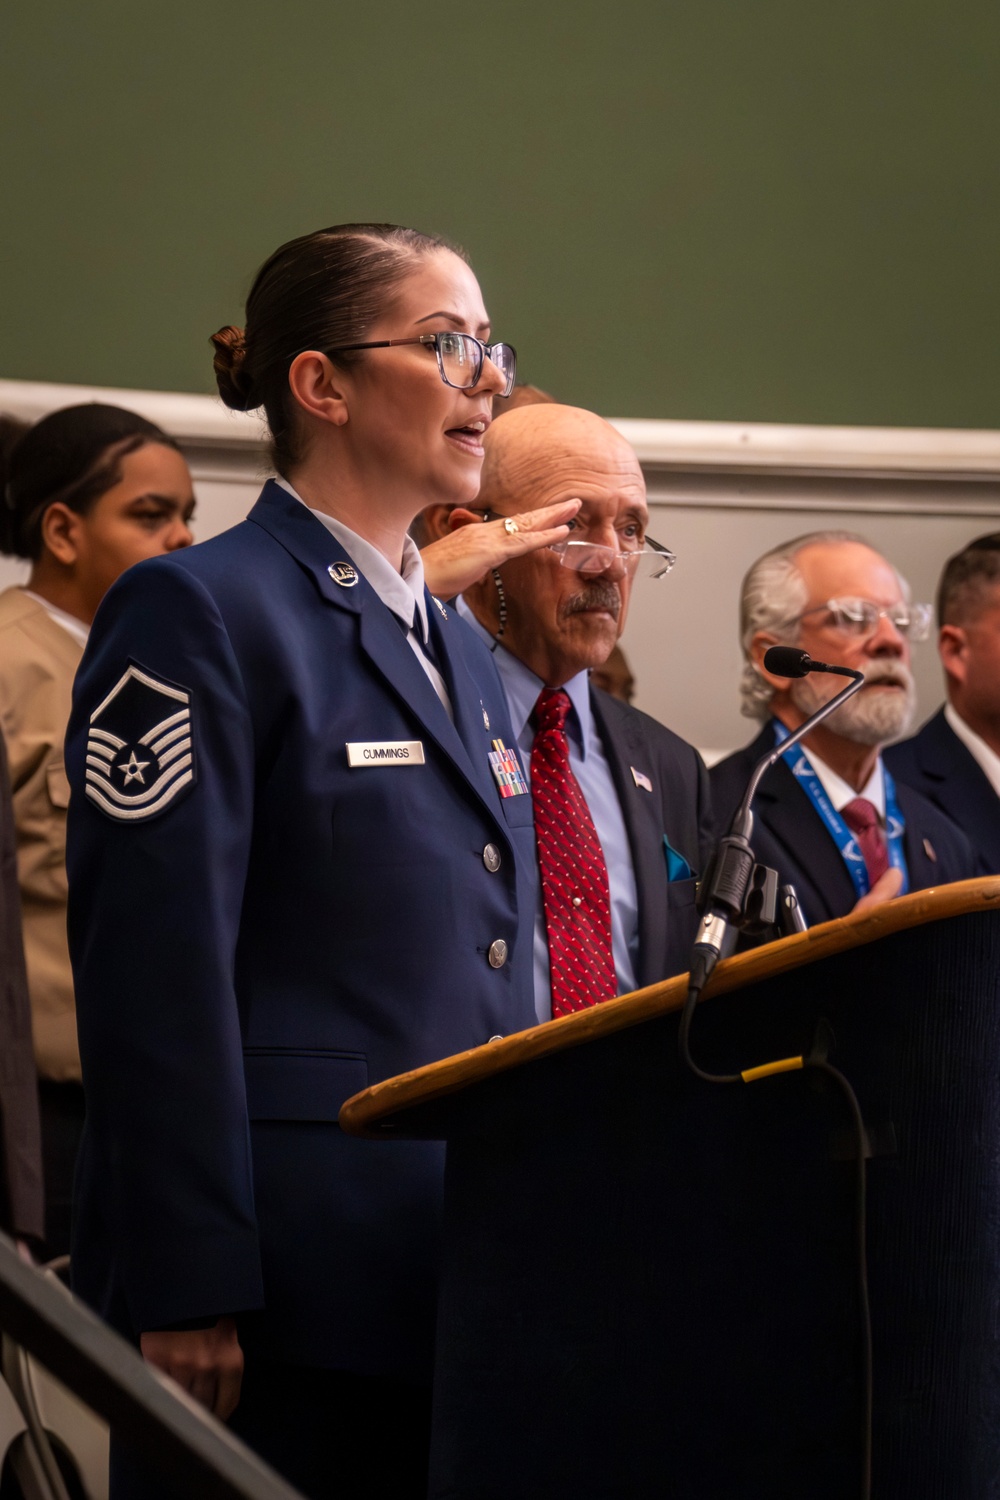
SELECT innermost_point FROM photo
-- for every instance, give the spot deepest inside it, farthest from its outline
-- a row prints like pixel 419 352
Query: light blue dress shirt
pixel 590 767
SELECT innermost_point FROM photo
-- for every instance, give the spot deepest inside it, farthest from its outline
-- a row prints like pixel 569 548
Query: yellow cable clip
pixel 784 1065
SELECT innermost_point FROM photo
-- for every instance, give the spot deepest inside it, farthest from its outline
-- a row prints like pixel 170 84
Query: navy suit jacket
pixel 789 835
pixel 936 764
pixel 677 808
pixel 283 932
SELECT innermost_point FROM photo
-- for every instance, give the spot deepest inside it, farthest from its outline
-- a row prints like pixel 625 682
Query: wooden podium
pixel 650 1283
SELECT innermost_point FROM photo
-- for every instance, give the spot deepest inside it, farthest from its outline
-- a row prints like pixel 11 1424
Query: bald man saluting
pixel 621 805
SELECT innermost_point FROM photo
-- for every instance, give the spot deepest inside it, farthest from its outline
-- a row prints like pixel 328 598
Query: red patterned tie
pixel 571 860
pixel 863 821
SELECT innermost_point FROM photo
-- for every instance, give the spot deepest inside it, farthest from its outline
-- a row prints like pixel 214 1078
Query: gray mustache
pixel 597 596
pixel 888 671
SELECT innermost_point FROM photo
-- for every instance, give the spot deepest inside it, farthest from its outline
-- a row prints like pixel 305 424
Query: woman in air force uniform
pixel 293 872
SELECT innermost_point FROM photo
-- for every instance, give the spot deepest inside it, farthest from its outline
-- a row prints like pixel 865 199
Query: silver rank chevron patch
pixel 140 749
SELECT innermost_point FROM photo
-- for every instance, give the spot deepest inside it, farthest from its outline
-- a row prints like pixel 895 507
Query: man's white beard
pixel 867 718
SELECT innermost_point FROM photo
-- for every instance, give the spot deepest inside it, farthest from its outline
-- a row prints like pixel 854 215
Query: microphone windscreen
pixel 788 661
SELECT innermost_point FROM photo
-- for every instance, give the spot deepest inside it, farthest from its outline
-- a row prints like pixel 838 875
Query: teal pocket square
pixel 677 866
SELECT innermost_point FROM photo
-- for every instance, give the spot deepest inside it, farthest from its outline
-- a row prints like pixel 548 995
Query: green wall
pixel 771 210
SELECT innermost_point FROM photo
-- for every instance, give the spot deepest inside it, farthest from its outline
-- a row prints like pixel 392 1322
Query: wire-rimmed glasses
pixel 860 617
pixel 460 357
pixel 651 560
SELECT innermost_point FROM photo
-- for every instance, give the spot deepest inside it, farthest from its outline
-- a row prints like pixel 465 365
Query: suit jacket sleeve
pixel 154 915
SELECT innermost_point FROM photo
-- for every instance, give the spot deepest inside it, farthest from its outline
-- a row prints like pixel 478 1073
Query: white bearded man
pixel 829 816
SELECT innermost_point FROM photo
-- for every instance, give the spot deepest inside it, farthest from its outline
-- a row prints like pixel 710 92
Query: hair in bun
pixel 231 375
pixel 317 292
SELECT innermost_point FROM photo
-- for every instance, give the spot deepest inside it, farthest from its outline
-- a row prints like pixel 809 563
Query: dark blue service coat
pixel 260 930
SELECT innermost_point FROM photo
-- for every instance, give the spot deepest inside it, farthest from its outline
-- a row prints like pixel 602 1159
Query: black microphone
pixel 790 661
pixel 723 900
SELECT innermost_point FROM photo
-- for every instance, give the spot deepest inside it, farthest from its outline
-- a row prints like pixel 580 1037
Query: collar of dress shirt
pixel 76 628
pixel 976 746
pixel 402 592
pixel 840 792
pixel 522 687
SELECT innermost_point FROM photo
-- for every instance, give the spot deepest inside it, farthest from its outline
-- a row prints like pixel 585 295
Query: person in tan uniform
pixel 86 492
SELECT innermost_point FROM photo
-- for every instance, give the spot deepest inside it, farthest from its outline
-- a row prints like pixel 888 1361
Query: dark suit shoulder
pixel 938 852
pixel 630 726
pixel 938 765
pixel 935 747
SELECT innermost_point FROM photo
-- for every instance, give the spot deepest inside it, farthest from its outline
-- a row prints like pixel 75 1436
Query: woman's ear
pixel 61 533
pixel 318 388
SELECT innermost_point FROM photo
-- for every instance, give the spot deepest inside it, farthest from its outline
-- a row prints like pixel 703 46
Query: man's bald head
pixel 536 451
pixel 557 619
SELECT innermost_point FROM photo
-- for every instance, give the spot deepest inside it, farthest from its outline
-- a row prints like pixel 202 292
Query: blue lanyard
pixel 801 768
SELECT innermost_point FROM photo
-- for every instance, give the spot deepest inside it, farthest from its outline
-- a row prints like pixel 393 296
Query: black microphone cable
pixel 730 878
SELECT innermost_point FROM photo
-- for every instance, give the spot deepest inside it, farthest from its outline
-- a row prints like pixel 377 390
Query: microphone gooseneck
pixel 722 903
pixel 723 906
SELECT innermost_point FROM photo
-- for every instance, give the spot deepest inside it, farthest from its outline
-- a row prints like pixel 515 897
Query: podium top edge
pixel 380 1111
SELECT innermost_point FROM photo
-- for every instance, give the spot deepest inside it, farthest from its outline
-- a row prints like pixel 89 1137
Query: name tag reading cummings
pixel 385 753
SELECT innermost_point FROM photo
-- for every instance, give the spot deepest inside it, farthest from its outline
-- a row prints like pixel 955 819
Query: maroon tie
pixel 863 821
pixel 571 860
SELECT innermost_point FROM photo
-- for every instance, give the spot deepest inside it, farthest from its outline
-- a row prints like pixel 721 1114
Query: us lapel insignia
pixel 140 747
pixel 440 606
pixel 486 717
pixel 641 779
pixel 344 574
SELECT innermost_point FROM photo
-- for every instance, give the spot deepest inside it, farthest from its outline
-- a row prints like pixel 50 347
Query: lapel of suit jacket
pixel 382 640
pixel 921 869
pixel 466 695
pixel 624 746
pixel 943 757
pixel 794 823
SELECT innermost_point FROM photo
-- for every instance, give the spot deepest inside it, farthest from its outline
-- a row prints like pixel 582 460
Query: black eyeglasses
pixel 459 355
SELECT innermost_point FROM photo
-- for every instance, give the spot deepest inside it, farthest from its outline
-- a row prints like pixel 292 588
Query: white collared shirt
pixel 977 747
pixel 841 792
pixel 402 592
pixel 74 627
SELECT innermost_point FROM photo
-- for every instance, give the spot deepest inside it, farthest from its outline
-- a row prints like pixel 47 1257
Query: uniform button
pixel 491 858
pixel 497 954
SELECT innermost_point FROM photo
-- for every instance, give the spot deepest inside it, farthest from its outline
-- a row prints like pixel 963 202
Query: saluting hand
pixel 456 561
pixel 205 1362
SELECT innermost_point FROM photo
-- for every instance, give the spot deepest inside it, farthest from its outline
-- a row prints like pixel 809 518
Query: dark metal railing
pixel 184 1443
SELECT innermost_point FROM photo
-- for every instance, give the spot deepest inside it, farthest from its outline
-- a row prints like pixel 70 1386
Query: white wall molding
pixel 720 494
pixel 198 421
pixel 202 423
pixel 861 452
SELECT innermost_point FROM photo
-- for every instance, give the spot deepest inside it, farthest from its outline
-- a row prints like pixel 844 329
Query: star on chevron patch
pixel 140 747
